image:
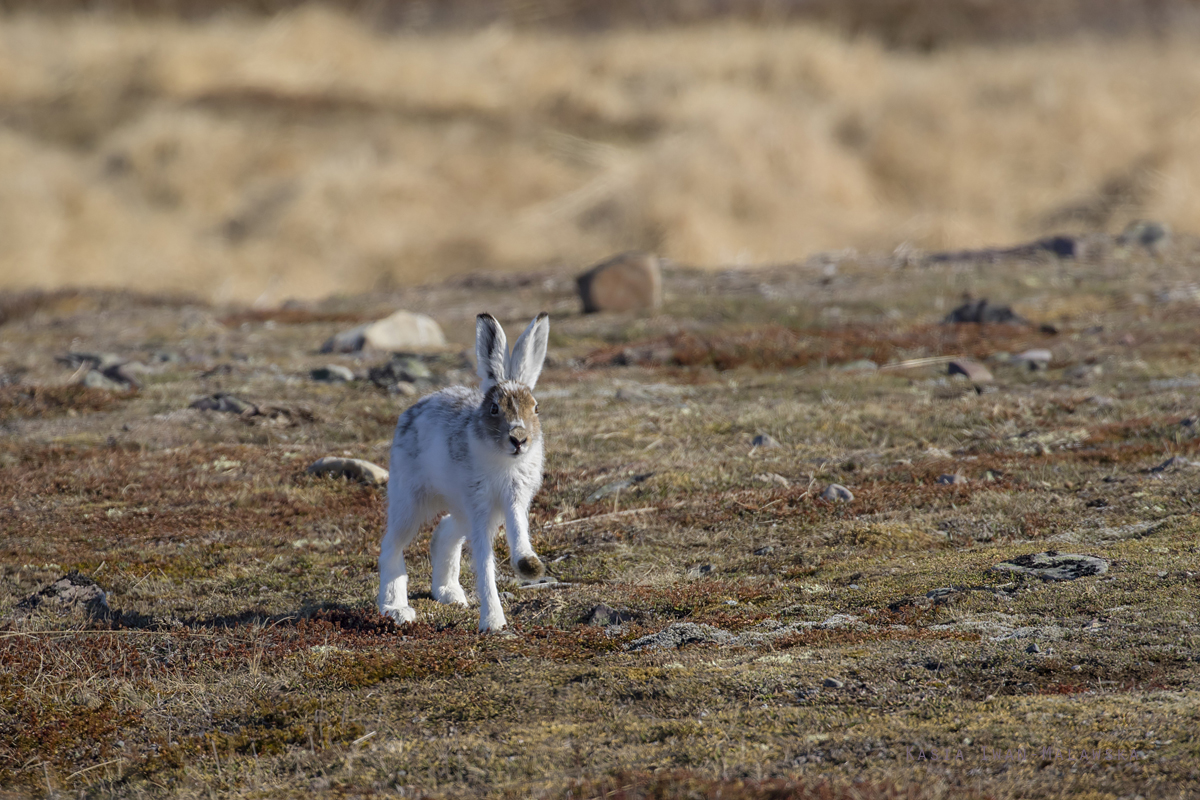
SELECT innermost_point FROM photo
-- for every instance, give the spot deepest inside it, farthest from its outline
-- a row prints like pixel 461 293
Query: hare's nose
pixel 518 437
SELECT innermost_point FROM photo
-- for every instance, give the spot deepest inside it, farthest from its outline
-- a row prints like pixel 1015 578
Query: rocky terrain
pixel 790 550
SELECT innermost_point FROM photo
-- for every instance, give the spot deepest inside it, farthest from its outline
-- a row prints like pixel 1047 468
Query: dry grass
pixel 243 655
pixel 254 159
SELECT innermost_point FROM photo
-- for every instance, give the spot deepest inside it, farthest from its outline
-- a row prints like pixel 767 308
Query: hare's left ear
pixel 529 353
pixel 491 351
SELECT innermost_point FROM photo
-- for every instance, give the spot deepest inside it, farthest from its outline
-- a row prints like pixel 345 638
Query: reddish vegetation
pixel 775 347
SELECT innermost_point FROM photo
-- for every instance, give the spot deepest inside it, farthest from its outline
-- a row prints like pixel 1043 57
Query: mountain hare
pixel 477 454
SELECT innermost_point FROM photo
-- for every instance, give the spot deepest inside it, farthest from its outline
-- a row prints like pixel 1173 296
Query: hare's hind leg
pixel 405 514
pixel 445 550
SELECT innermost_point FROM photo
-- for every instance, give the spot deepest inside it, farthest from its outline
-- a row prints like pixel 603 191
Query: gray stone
pixel 72 593
pixel 1033 359
pixel 765 550
pixel 1033 648
pixel 403 388
pixel 833 683
pixel 1054 566
pixel 765 440
pixel 680 634
pixel 700 570
pixel 347 341
pixel 1154 236
pixel 332 373
pixel 612 488
pixel 94 379
pixel 352 468
pixel 773 478
pixel 226 403
pixel 980 312
pixel 408 369
pixel 1174 463
pixel 952 480
pixel 973 370
pixel 836 493
pixel 627 282
pixel 861 365
pixel 604 615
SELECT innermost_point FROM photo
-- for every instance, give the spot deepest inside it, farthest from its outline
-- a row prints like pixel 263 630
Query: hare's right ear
pixel 529 352
pixel 491 350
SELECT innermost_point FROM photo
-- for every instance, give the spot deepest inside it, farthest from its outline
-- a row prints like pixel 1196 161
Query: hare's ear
pixel 525 363
pixel 491 351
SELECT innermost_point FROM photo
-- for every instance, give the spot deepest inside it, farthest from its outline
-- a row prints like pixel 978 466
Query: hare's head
pixel 509 412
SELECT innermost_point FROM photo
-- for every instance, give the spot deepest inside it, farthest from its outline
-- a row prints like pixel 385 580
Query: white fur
pixel 439 462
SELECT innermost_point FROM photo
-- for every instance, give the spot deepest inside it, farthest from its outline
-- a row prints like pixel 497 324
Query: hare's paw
pixel 401 614
pixel 451 595
pixel 492 622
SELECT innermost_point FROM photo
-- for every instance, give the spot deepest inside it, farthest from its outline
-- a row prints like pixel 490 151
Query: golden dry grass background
pixel 308 153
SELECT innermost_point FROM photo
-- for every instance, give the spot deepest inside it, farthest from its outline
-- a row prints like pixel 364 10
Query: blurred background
pixel 260 151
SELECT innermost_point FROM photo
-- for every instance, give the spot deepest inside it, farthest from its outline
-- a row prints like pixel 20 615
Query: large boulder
pixel 628 282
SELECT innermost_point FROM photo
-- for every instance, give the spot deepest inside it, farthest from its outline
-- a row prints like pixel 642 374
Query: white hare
pixel 478 454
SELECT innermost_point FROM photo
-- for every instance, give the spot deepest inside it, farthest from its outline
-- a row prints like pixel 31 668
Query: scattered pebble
pixel 765 550
pixel 332 373
pixel 1054 566
pixel 700 569
pixel 765 440
pixel 403 330
pixel 612 488
pixel 833 683
pixel 972 370
pixel 861 365
pixel 403 388
pixel 1033 648
pixel 836 493
pixel 406 369
pixel 604 615
pixel 1033 359
pixel 952 480
pixel 680 634
pixel 352 468
pixel 226 403
pixel 1173 463
pixel 981 311
pixel 1154 236
pixel 771 477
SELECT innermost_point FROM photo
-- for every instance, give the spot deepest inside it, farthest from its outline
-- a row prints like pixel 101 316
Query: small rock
pixel 980 311
pixel 352 468
pixel 1054 566
pixel 833 683
pixel 941 595
pixel 226 403
pixel 765 440
pixel 1154 236
pixel 861 365
pixel 766 550
pixel 773 478
pixel 627 282
pixel 952 480
pixel 1085 372
pixel 347 341
pixel 1033 359
pixel 612 488
pixel 1033 648
pixel 699 570
pixel 680 634
pixel 94 379
pixel 407 369
pixel 836 493
pixel 1173 463
pixel 973 370
pixel 332 373
pixel 1101 401
pixel 403 388
pixel 604 615
pixel 69 593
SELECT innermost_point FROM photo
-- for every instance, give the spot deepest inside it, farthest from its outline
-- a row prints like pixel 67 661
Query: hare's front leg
pixel 402 524
pixel 445 551
pixel 516 527
pixel 491 613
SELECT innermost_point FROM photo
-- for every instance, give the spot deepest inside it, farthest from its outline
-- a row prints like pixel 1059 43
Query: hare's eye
pixel 495 409
pixel 535 408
